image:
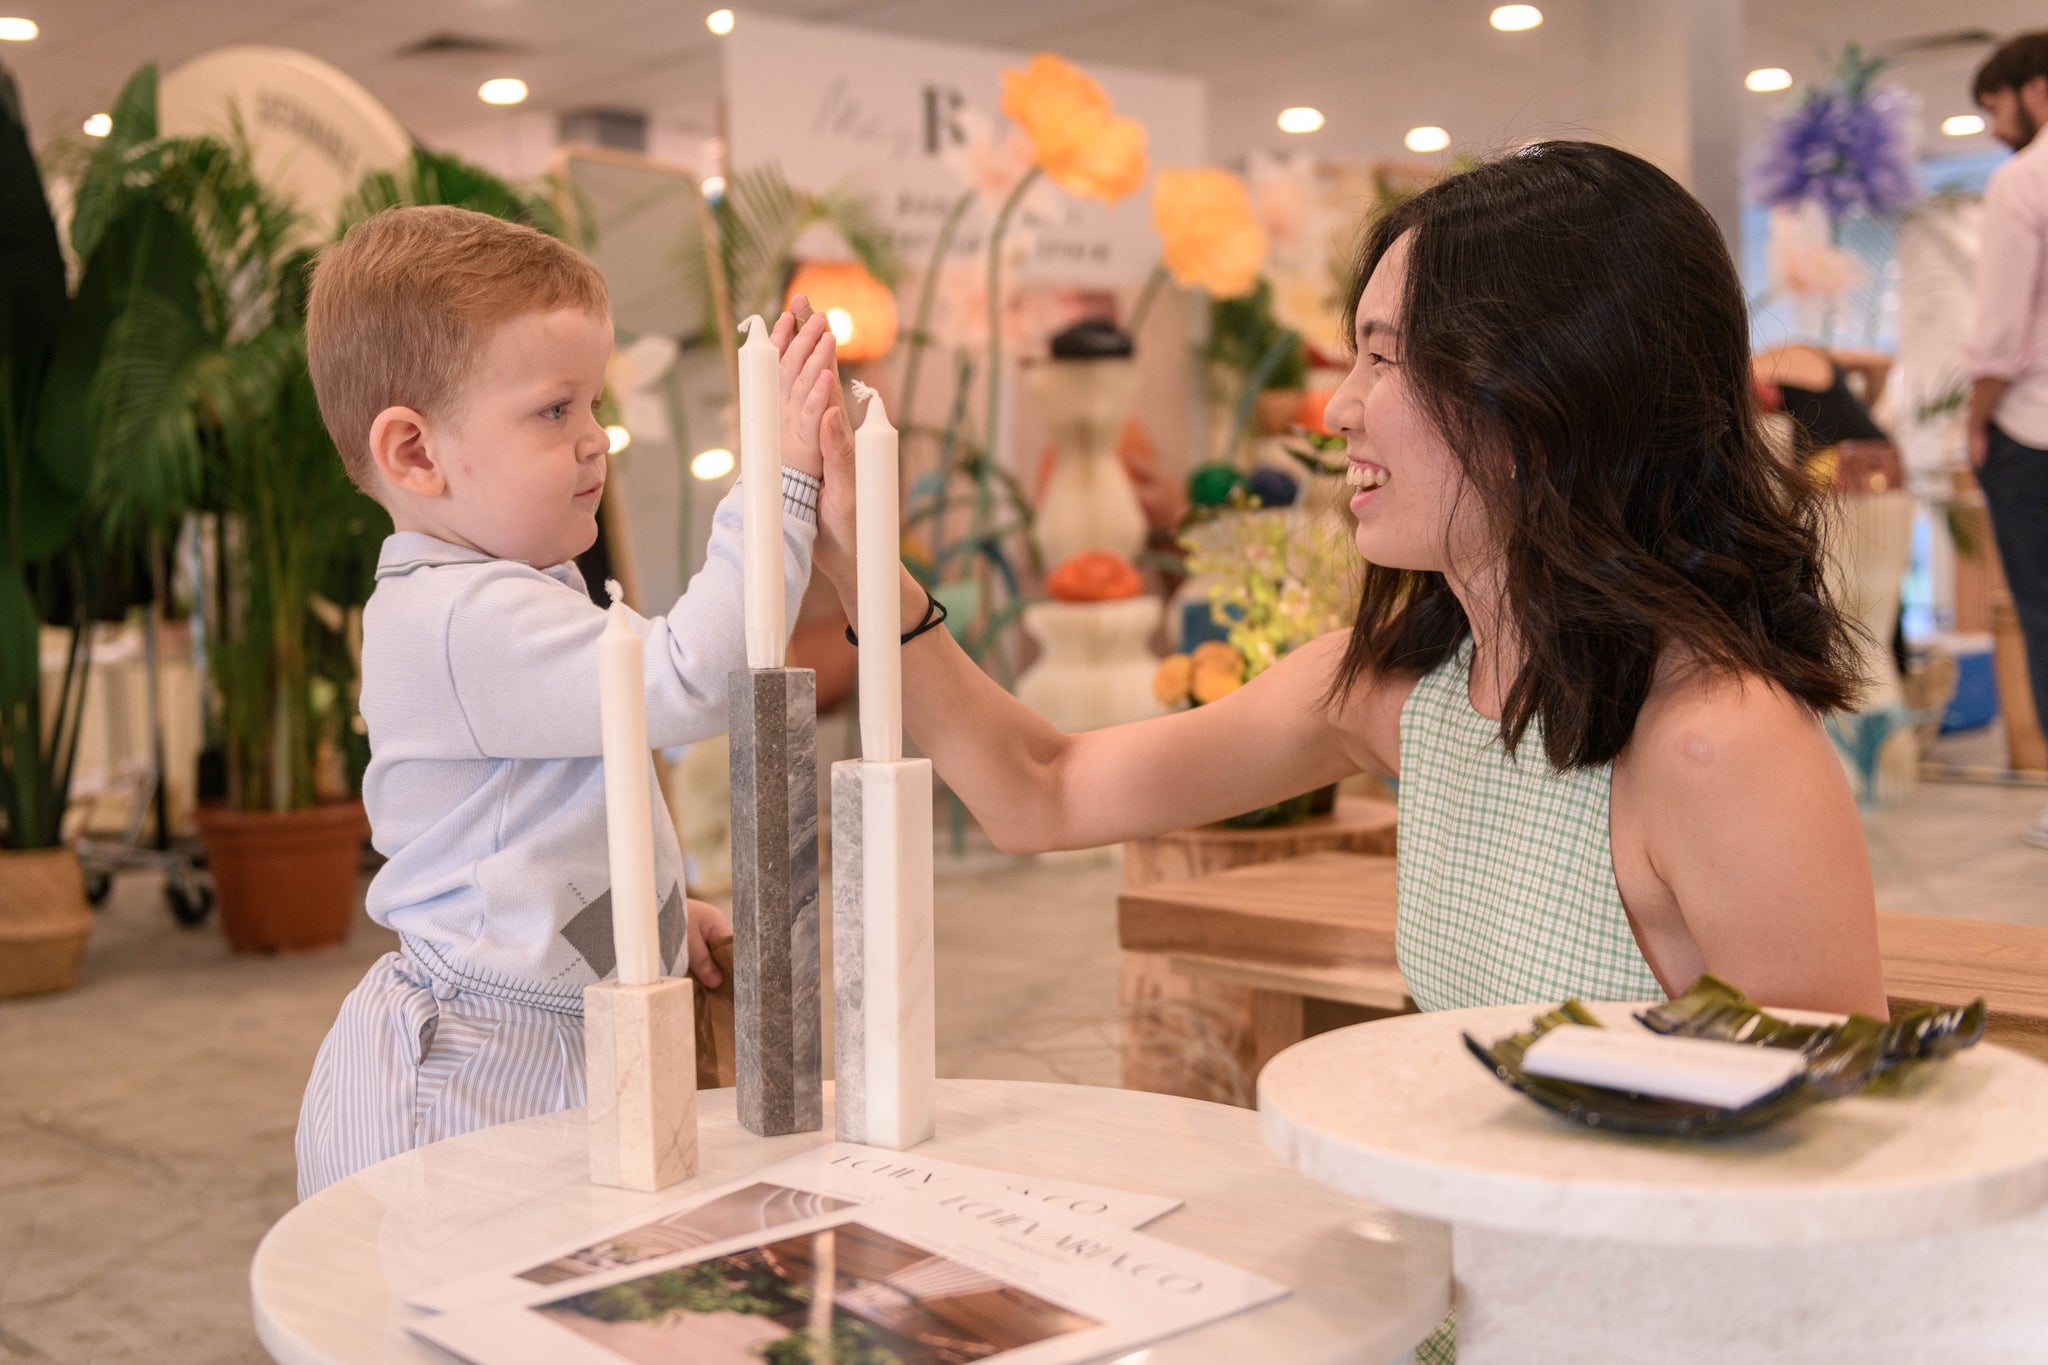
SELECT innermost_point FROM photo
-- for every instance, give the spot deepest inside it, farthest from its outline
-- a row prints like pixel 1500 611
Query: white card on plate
pixel 1702 1070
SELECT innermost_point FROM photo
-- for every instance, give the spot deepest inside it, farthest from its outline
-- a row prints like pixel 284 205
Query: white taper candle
pixel 628 812
pixel 761 496
pixel 877 561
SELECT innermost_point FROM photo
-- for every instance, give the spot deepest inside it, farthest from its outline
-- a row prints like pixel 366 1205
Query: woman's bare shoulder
pixel 1700 724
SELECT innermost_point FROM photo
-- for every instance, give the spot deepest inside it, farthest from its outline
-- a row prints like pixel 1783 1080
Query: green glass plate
pixel 1842 1058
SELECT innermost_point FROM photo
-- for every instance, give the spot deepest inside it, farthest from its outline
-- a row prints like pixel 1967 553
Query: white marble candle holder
pixel 884 1033
pixel 778 1011
pixel 640 1053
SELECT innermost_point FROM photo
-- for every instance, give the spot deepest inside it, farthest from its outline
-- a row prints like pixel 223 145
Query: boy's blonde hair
pixel 400 307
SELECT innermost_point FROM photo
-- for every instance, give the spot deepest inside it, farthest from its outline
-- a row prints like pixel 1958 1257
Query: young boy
pixel 458 360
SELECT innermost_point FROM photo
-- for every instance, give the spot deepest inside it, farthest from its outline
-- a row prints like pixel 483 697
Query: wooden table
pixel 1206 1039
pixel 1906 1226
pixel 1939 959
pixel 331 1278
pixel 1307 931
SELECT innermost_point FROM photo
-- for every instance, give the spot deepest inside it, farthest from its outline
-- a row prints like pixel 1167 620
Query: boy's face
pixel 522 450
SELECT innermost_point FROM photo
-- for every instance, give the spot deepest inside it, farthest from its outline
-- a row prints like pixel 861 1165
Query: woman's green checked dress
pixel 1506 874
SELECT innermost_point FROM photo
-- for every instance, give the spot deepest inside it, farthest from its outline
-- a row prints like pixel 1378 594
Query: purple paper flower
pixel 1848 146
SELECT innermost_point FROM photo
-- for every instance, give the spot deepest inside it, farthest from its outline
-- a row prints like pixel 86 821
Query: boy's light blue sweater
pixel 486 782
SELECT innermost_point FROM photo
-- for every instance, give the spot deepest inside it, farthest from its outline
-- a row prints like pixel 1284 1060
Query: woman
pixel 1593 638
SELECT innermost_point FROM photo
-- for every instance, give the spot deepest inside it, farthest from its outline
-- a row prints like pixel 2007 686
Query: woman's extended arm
pixel 1033 788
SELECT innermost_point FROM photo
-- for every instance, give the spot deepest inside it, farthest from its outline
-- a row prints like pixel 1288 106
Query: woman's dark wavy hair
pixel 1573 325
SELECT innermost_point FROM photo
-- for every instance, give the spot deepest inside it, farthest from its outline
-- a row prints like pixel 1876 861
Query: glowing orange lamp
pixel 859 307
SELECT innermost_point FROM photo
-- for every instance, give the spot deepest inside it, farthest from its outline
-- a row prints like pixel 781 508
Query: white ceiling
pixel 1375 67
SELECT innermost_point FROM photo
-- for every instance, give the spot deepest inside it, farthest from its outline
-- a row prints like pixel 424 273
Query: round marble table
pixel 1904 1227
pixel 331 1278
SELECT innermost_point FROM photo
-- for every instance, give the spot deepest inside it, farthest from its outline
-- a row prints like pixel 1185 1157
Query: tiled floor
pixel 146 1117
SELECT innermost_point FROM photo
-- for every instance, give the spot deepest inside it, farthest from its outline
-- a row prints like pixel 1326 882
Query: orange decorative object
pixel 1176 676
pixel 1213 241
pixel 1094 576
pixel 1216 654
pixel 1214 684
pixel 1309 416
pixel 861 309
pixel 1077 137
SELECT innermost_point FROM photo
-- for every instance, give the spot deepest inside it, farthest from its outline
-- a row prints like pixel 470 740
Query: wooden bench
pixel 1199 1037
pixel 1275 952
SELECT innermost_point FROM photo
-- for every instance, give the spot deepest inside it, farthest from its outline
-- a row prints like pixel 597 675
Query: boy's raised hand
pixel 816 435
pixel 810 383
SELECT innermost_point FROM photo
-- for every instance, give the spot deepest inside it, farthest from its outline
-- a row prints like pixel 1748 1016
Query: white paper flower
pixel 635 377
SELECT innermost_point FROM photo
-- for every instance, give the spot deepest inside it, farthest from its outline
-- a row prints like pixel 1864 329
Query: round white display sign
pixel 313 132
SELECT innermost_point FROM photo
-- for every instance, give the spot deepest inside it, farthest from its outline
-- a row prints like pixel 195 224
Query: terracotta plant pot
pixel 1274 411
pixel 286 879
pixel 44 920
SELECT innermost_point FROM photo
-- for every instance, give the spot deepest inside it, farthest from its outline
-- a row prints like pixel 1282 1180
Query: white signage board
pixel 891 115
pixel 313 132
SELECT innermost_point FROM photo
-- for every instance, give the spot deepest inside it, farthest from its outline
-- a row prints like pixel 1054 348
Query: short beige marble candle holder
pixel 640 1053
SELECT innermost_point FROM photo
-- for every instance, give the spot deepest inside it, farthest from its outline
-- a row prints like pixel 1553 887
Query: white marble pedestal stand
pixel 1887 1228
pixel 640 1055
pixel 1096 662
pixel 884 1030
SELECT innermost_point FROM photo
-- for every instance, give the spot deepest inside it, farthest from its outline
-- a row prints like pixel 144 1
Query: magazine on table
pixel 969 1275
pixel 824 1180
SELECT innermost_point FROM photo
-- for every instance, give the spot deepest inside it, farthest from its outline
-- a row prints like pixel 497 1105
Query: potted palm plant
pixel 78 395
pixel 284 860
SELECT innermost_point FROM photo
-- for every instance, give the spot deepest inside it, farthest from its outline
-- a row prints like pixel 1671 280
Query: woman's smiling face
pixel 1410 494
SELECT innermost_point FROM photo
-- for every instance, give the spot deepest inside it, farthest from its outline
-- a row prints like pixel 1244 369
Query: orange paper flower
pixel 1077 138
pixel 1093 576
pixel 1212 238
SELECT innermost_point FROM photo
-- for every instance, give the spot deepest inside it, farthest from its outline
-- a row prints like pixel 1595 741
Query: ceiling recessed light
pixel 1962 125
pixel 99 125
pixel 1515 18
pixel 1300 119
pixel 714 187
pixel 1427 138
pixel 1765 79
pixel 719 21
pixel 502 90
pixel 18 30
pixel 619 437
pixel 711 464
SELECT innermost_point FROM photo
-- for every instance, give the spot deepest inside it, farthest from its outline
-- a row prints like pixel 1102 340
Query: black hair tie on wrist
pixel 934 617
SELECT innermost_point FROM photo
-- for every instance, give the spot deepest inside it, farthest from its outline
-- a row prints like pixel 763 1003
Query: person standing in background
pixel 2008 353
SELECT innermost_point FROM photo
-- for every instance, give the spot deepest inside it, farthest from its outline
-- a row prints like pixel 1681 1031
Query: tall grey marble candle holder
pixel 776 1005
pixel 884 1037
pixel 640 1055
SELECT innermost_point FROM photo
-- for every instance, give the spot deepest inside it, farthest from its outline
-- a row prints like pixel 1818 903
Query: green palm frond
pixel 859 219
pixel 149 466
pixel 441 178
pixel 759 220
pixel 246 231
pixel 126 156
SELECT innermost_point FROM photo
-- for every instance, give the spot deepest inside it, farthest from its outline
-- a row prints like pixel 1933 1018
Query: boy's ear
pixel 398 445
